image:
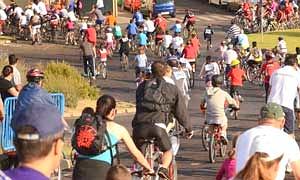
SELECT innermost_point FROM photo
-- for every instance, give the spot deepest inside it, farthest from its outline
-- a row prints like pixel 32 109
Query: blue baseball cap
pixel 45 118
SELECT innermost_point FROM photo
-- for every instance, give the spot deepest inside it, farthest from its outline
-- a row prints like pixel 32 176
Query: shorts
pixel 149 131
pixel 139 70
pixel 36 29
pixel 98 22
pixel 191 61
pixel 234 90
pixel 131 36
pixel 109 45
pixel 289 125
pixel 90 169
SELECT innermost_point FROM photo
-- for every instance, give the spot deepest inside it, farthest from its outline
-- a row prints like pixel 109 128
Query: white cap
pixel 267 144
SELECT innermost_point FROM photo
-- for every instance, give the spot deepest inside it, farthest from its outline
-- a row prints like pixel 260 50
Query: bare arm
pixel 12 91
pixel 296 169
pixel 138 156
pixel 1 110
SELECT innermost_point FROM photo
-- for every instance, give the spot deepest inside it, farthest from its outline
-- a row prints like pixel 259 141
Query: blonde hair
pixel 257 168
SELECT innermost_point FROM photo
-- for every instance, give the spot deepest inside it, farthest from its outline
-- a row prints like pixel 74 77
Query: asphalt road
pixel 193 162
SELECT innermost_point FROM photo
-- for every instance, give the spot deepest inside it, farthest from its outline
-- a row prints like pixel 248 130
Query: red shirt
pixel 70 25
pixel 161 23
pixel 196 44
pixel 236 75
pixel 268 68
pixel 91 35
pixel 189 52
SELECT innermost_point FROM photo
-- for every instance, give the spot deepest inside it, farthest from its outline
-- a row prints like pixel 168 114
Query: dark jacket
pixel 174 99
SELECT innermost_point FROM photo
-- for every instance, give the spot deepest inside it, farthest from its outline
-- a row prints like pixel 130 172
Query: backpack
pixel 154 98
pixel 89 135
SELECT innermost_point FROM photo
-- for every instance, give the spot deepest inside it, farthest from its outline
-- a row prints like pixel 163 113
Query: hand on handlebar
pixel 189 135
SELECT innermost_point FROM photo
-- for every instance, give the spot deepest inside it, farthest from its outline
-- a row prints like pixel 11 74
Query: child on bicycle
pixel 227 170
pixel 236 76
pixel 124 46
pixel 214 100
pixel 102 55
pixel 209 69
pixel 70 37
pixel 117 31
pixel 109 41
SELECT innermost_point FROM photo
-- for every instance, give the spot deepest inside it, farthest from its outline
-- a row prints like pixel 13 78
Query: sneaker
pixel 241 99
pixel 163 173
pixel 94 77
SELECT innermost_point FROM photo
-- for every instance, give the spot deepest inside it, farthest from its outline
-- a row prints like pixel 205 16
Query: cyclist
pixel 208 33
pixel 267 69
pixel 110 19
pixel 177 42
pixel 91 35
pixel 70 37
pixel 98 13
pixel 255 55
pixel 138 18
pixel 167 41
pixel 209 69
pixel 124 46
pixel 159 36
pixel 236 76
pixel 233 32
pixel 88 54
pixel 243 40
pixel 109 41
pixel 180 78
pixel 151 122
pixel 35 27
pixel 214 99
pixel 141 62
pixel 117 31
pixel 190 54
pixel 282 48
pixel 23 22
pixel 160 22
pixel 143 39
pixel 195 43
pixel 189 19
pixel 102 54
pixel 229 56
pixel 149 27
pixel 132 30
pixel 176 28
pixel 95 167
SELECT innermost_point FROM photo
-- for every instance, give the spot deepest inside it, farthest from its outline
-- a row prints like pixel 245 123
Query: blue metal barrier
pixel 7 133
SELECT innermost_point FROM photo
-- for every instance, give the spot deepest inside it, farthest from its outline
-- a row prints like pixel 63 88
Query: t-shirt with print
pixel 236 75
pixel 290 152
pixel 141 60
pixel 25 173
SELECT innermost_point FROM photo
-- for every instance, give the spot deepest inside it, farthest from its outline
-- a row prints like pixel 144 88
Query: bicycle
pixel 124 62
pixel 101 69
pixel 214 141
pixel 153 156
pixel 253 74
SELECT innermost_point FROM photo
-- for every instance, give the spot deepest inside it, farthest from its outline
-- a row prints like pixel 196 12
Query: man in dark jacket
pixel 151 119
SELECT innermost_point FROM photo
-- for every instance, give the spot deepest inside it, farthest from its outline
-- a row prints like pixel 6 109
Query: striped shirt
pixel 234 31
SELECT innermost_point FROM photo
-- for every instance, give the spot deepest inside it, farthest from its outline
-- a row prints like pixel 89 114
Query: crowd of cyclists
pixel 276 15
pixel 162 95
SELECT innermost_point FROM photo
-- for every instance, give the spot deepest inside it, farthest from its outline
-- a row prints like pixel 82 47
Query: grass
pixel 270 40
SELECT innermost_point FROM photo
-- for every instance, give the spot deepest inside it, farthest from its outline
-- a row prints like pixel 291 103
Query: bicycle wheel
pixel 249 73
pixel 223 149
pixel 173 170
pixel 205 138
pixel 192 79
pixel 212 150
pixel 104 71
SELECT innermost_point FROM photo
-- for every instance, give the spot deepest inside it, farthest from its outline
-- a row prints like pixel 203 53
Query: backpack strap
pixel 110 147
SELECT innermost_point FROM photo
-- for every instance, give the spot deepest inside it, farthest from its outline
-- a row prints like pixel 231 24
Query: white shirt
pixel 230 55
pixel 23 20
pixel 282 46
pixel 83 26
pixel 177 42
pixel 3 15
pixel 42 7
pixel 149 26
pixel 167 41
pixel 18 12
pixel 64 13
pixel 36 8
pixel 109 37
pixel 141 60
pixel 100 4
pixel 16 76
pixel 291 149
pixel 29 13
pixel 284 83
pixel 211 69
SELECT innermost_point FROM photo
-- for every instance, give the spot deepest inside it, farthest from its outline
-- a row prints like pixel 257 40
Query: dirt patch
pixel 123 107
